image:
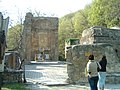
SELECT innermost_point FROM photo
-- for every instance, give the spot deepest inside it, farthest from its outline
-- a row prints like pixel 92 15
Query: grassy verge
pixel 14 86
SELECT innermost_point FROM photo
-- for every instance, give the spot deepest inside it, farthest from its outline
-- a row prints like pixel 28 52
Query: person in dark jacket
pixel 102 73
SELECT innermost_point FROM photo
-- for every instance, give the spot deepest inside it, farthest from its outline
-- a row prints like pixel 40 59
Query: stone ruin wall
pixel 100 35
pixel 98 41
pixel 40 33
pixel 3 32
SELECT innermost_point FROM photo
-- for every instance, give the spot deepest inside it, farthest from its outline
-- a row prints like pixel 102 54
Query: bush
pixel 14 86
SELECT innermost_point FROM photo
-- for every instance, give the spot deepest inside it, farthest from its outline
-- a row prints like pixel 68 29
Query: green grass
pixel 15 86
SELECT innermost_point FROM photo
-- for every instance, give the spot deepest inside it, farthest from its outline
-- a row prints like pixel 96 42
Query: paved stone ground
pixel 52 76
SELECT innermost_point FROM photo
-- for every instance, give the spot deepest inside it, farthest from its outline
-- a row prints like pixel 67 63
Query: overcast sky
pixel 58 8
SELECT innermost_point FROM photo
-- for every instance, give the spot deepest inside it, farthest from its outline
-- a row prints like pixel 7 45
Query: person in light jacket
pixel 92 73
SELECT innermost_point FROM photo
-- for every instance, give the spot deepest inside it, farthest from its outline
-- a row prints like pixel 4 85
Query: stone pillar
pixel 3 31
pixel 27 37
pixel 1 21
pixel 54 39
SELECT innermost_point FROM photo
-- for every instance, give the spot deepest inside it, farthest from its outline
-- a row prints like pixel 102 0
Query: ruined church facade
pixel 40 35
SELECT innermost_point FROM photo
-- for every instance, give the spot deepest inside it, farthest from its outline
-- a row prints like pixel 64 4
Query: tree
pixel 81 21
pixel 14 36
pixel 71 26
pixel 66 30
pixel 104 13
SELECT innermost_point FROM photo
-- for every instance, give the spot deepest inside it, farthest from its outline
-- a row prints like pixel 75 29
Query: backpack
pixel 86 72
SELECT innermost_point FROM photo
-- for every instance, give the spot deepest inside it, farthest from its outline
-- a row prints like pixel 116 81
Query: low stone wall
pixel 77 57
pixel 12 76
pixel 113 78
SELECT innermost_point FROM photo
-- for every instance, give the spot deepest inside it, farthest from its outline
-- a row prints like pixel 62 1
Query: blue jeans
pixel 101 81
pixel 93 82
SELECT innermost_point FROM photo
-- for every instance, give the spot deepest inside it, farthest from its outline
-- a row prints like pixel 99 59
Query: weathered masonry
pixel 98 41
pixel 3 33
pixel 40 36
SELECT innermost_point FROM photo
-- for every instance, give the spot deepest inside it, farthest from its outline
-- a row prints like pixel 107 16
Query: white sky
pixel 58 8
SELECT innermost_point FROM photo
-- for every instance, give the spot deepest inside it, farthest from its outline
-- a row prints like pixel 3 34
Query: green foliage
pixel 99 13
pixel 81 20
pixel 14 86
pixel 71 26
pixel 14 37
pixel 66 30
pixel 104 13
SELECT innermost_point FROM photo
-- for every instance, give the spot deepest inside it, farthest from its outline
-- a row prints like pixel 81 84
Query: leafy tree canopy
pixel 14 37
pixel 104 13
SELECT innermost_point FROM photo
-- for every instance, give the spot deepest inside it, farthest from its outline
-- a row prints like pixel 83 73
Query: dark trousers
pixel 93 82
